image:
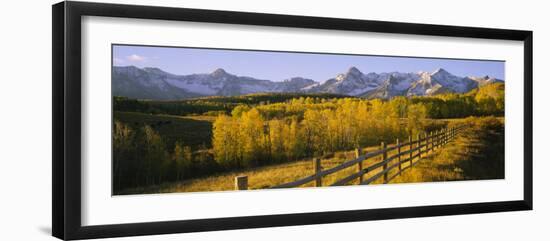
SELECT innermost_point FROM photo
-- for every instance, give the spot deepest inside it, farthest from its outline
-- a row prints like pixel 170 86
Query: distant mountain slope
pixel 154 83
pixel 145 83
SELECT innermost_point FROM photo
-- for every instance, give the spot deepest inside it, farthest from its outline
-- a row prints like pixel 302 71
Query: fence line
pixel 416 148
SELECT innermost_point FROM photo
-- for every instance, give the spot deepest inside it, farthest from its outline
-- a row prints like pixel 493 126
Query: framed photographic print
pixel 170 120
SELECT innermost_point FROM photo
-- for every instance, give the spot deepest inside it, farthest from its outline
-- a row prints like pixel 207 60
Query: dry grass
pixel 476 154
pixel 268 176
pixel 258 178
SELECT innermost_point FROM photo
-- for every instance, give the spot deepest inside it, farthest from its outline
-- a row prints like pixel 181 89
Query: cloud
pixel 136 58
pixel 118 61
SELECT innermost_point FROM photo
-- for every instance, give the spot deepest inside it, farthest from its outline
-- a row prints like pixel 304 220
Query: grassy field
pixel 258 178
pixel 477 154
pixel 194 131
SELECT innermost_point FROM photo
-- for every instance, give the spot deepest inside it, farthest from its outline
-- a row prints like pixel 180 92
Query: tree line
pixel 211 105
pixel 141 158
pixel 249 137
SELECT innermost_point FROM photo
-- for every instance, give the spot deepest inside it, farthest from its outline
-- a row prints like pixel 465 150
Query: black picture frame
pixel 66 128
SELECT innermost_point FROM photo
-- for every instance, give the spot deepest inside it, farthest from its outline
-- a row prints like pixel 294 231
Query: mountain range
pixel 154 83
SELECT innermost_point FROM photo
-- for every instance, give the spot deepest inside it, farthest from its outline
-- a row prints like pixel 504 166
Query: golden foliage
pixel 249 138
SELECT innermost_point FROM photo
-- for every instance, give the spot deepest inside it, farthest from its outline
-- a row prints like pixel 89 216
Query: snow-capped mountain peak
pixel 442 74
pixel 219 72
pixel 440 71
pixel 353 71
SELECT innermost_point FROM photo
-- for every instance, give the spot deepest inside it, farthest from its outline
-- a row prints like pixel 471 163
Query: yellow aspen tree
pixel 252 137
pixel 277 140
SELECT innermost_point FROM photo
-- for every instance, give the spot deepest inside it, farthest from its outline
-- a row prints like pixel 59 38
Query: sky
pixel 278 66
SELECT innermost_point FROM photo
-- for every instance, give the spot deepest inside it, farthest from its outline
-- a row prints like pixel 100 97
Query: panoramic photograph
pixel 203 119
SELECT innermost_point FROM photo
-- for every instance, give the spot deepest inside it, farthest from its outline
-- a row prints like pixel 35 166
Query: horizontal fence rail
pixel 409 152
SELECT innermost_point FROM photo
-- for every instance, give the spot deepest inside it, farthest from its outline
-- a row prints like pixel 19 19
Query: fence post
pixel 431 142
pixel 318 168
pixel 434 144
pixel 384 157
pixel 241 182
pixel 359 164
pixel 452 133
pixel 425 143
pixel 410 150
pixel 418 145
pixel 398 154
pixel 434 140
pixel 445 136
pixel 437 138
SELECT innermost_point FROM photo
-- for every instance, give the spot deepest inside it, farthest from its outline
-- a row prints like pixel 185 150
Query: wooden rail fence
pixel 407 152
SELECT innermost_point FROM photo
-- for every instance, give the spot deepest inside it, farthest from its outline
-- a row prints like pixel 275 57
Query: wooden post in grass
pixel 453 129
pixel 438 138
pixel 359 164
pixel 425 143
pixel 398 154
pixel 384 157
pixel 434 144
pixel 241 183
pixel 454 133
pixel 410 150
pixel 318 168
pixel 431 142
pixel 434 140
pixel 445 136
pixel 418 146
pixel 441 134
